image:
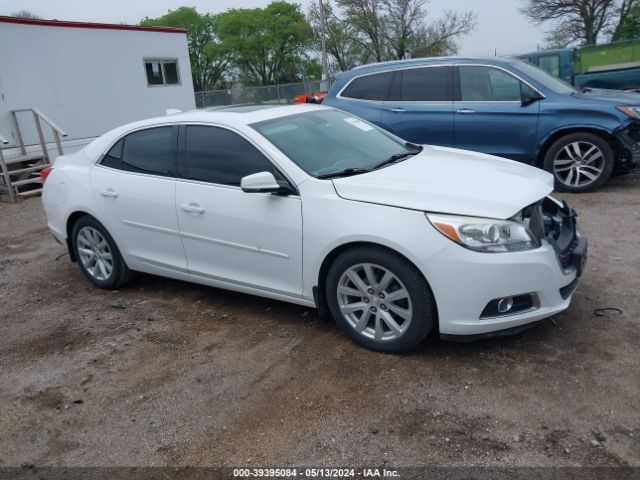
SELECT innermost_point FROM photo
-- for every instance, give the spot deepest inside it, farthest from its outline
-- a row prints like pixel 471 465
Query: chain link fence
pixel 239 94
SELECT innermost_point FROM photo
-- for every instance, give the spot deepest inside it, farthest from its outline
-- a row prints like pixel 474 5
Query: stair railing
pixel 38 117
pixel 5 171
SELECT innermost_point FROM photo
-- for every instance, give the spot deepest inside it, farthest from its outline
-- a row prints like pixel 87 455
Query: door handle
pixel 192 208
pixel 109 192
pixel 398 110
pixel 466 110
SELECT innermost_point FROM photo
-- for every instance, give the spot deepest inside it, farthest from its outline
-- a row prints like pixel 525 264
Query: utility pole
pixel 324 85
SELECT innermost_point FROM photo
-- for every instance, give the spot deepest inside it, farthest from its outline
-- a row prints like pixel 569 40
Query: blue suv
pixel 502 107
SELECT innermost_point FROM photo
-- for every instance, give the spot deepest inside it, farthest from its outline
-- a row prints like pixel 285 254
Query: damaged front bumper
pixel 628 137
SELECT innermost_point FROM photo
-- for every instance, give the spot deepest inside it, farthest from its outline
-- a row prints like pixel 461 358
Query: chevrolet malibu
pixel 314 206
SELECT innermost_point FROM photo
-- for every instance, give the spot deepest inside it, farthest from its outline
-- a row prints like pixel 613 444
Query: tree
pixel 630 28
pixel 208 56
pixel 343 46
pixel 361 31
pixel 266 43
pixel 582 22
pixel 365 18
pixel 403 20
pixel 25 14
pixel 439 38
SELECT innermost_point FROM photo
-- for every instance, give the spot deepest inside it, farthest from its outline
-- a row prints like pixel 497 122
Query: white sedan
pixel 311 205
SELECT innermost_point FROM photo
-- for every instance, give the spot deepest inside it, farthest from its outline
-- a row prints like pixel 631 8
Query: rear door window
pixel 145 151
pixel 426 84
pixel 369 87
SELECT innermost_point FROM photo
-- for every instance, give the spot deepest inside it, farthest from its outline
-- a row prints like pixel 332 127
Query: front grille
pixel 556 223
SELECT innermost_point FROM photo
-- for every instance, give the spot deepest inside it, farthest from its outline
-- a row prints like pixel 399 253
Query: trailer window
pixel 162 72
pixel 550 64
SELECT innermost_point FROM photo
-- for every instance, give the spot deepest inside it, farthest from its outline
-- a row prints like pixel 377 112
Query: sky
pixel 501 28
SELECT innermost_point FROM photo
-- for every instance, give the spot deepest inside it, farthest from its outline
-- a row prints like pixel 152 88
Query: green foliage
pixel 208 57
pixel 264 46
pixel 630 27
pixel 267 44
pixel 363 31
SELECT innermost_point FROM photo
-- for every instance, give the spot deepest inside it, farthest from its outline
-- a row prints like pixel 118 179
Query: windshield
pixel 552 83
pixel 328 141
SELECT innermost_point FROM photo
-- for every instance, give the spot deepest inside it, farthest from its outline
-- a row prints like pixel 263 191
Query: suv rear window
pixel 369 87
pixel 426 84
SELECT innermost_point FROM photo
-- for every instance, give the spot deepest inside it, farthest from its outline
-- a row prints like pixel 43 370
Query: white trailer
pixel 73 81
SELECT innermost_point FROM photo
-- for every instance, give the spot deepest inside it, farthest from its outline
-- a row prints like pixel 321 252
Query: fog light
pixel 505 304
pixel 512 305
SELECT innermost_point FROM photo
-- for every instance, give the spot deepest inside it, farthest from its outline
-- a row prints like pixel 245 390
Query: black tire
pixel 120 273
pixel 557 153
pixel 423 311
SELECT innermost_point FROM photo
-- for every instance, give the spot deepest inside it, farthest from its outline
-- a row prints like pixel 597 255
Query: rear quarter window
pixel 369 87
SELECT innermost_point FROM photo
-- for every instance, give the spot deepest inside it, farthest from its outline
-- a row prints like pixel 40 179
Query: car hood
pixel 608 97
pixel 448 180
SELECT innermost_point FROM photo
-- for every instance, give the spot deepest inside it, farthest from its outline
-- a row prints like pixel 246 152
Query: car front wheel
pixel 579 162
pixel 98 255
pixel 379 299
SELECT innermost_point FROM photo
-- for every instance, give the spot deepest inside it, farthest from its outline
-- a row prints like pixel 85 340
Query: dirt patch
pixel 169 373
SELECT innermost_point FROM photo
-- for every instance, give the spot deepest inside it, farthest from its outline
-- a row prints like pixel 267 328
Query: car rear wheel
pixel 579 162
pixel 98 255
pixel 379 299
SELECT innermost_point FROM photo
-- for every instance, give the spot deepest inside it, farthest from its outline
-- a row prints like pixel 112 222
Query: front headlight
pixel 630 110
pixel 484 234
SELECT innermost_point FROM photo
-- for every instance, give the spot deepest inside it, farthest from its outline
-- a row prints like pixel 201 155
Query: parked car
pixel 502 107
pixel 314 206
pixel 310 98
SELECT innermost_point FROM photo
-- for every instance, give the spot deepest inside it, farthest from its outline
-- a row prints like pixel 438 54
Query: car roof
pixel 236 114
pixel 390 65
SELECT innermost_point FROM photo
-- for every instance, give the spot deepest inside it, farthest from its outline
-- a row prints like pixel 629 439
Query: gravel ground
pixel 170 373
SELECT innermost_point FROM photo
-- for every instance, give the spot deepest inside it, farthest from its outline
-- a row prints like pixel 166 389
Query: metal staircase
pixel 20 174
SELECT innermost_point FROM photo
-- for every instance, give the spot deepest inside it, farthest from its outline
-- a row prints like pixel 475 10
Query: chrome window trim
pixel 98 163
pixel 414 67
pixel 507 72
pixel 138 174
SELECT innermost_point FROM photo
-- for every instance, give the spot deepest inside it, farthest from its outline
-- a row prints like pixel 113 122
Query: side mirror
pixel 529 96
pixel 263 182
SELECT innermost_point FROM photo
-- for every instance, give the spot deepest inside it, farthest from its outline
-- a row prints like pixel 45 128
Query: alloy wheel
pixel 94 252
pixel 374 302
pixel 578 164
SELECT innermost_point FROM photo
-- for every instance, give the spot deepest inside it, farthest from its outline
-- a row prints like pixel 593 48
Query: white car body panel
pixel 140 211
pixel 247 239
pixel 447 180
pixel 275 246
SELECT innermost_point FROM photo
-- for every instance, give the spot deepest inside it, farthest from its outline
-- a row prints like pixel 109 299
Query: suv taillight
pixel 44 173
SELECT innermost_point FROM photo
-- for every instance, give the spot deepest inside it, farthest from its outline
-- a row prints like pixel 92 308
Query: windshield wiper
pixel 347 172
pixel 399 156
